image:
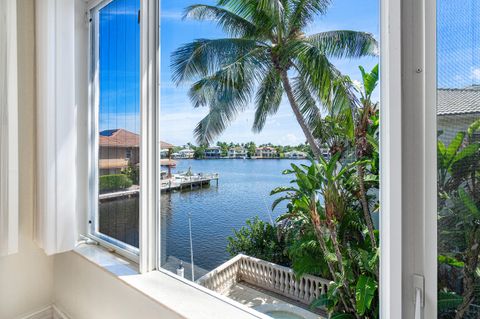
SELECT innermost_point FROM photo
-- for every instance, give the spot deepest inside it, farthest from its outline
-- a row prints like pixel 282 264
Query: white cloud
pixel 475 75
pixel 291 139
pixel 177 125
pixel 174 15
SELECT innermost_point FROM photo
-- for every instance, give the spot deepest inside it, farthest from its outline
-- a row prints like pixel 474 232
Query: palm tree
pixel 363 148
pixel 265 55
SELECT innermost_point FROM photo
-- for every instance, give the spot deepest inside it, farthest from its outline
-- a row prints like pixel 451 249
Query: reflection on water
pixel 243 192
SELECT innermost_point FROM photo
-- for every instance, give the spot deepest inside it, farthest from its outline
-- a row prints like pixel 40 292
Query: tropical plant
pixel 321 202
pixel 266 54
pixel 459 222
pixel 363 147
pixel 334 198
pixel 132 172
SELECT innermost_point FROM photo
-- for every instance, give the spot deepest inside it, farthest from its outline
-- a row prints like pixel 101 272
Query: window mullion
pixel 149 171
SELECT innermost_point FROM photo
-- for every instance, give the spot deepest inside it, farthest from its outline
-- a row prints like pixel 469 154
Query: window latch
pixel 419 295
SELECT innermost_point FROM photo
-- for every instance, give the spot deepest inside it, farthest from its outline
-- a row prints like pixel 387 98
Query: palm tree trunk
pixel 360 138
pixel 364 201
pixel 323 245
pixel 300 119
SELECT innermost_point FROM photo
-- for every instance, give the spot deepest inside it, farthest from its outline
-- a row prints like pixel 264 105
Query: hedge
pixel 114 182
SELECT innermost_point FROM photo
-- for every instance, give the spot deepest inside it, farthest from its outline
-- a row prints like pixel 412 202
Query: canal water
pixel 243 192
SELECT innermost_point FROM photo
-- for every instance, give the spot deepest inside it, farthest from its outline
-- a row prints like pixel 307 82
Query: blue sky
pixel 119 66
pixel 458 64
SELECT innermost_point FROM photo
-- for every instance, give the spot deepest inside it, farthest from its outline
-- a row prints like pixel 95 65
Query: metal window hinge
pixel 419 295
pixel 88 18
pixel 86 241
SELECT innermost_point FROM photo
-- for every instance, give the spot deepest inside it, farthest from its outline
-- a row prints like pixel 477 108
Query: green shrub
pixel 132 172
pixel 114 182
pixel 259 239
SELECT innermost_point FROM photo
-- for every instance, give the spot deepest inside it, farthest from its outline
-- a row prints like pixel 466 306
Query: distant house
pixel 237 152
pixel 456 110
pixel 119 148
pixel 184 154
pixel 266 152
pixel 296 155
pixel 213 152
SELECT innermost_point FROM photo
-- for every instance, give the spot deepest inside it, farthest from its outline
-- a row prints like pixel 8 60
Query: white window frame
pixel 408 148
pixel 390 283
pixel 9 191
pixel 148 208
pixel 408 75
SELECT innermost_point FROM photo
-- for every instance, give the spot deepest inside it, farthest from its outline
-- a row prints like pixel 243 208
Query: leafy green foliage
pixel 114 182
pixel 133 173
pixel 447 302
pixel 342 316
pixel 458 223
pixel 364 293
pixel 258 239
pixel 450 261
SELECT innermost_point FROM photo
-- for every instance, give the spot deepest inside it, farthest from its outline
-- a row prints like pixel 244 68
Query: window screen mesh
pixel 458 109
pixel 119 120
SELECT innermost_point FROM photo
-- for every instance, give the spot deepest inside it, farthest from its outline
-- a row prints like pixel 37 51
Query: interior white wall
pixel 84 291
pixel 81 289
pixel 26 278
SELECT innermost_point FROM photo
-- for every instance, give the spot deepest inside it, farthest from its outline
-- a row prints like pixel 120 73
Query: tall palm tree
pixel 265 55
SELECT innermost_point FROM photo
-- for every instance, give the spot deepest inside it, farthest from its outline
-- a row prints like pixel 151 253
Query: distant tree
pixel 251 149
pixel 199 152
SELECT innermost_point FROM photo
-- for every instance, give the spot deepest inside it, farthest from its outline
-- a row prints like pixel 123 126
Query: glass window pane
pixel 458 109
pixel 243 113
pixel 119 121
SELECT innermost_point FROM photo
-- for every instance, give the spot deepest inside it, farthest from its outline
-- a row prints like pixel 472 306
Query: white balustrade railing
pixel 266 275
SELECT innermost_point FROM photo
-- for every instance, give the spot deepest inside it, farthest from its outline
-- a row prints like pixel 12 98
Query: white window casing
pixel 390 285
pixel 149 222
pixel 55 216
pixel 408 159
pixel 8 129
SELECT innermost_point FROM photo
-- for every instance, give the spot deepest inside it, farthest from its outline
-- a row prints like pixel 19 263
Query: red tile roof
pixel 123 138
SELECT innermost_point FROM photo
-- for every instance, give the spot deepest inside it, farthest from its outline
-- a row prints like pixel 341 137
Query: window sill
pixel 183 297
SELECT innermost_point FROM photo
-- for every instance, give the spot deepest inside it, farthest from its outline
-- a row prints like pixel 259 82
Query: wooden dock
pixel 187 182
pixel 168 185
pixel 125 193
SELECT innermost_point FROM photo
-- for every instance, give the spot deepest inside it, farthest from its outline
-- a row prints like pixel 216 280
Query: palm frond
pixel 318 73
pixel 204 57
pixel 304 11
pixel 274 7
pixel 247 68
pixel 306 102
pixel 345 43
pixel 227 93
pixel 322 78
pixel 370 80
pixel 230 22
pixel 212 125
pixel 262 13
pixel 268 99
